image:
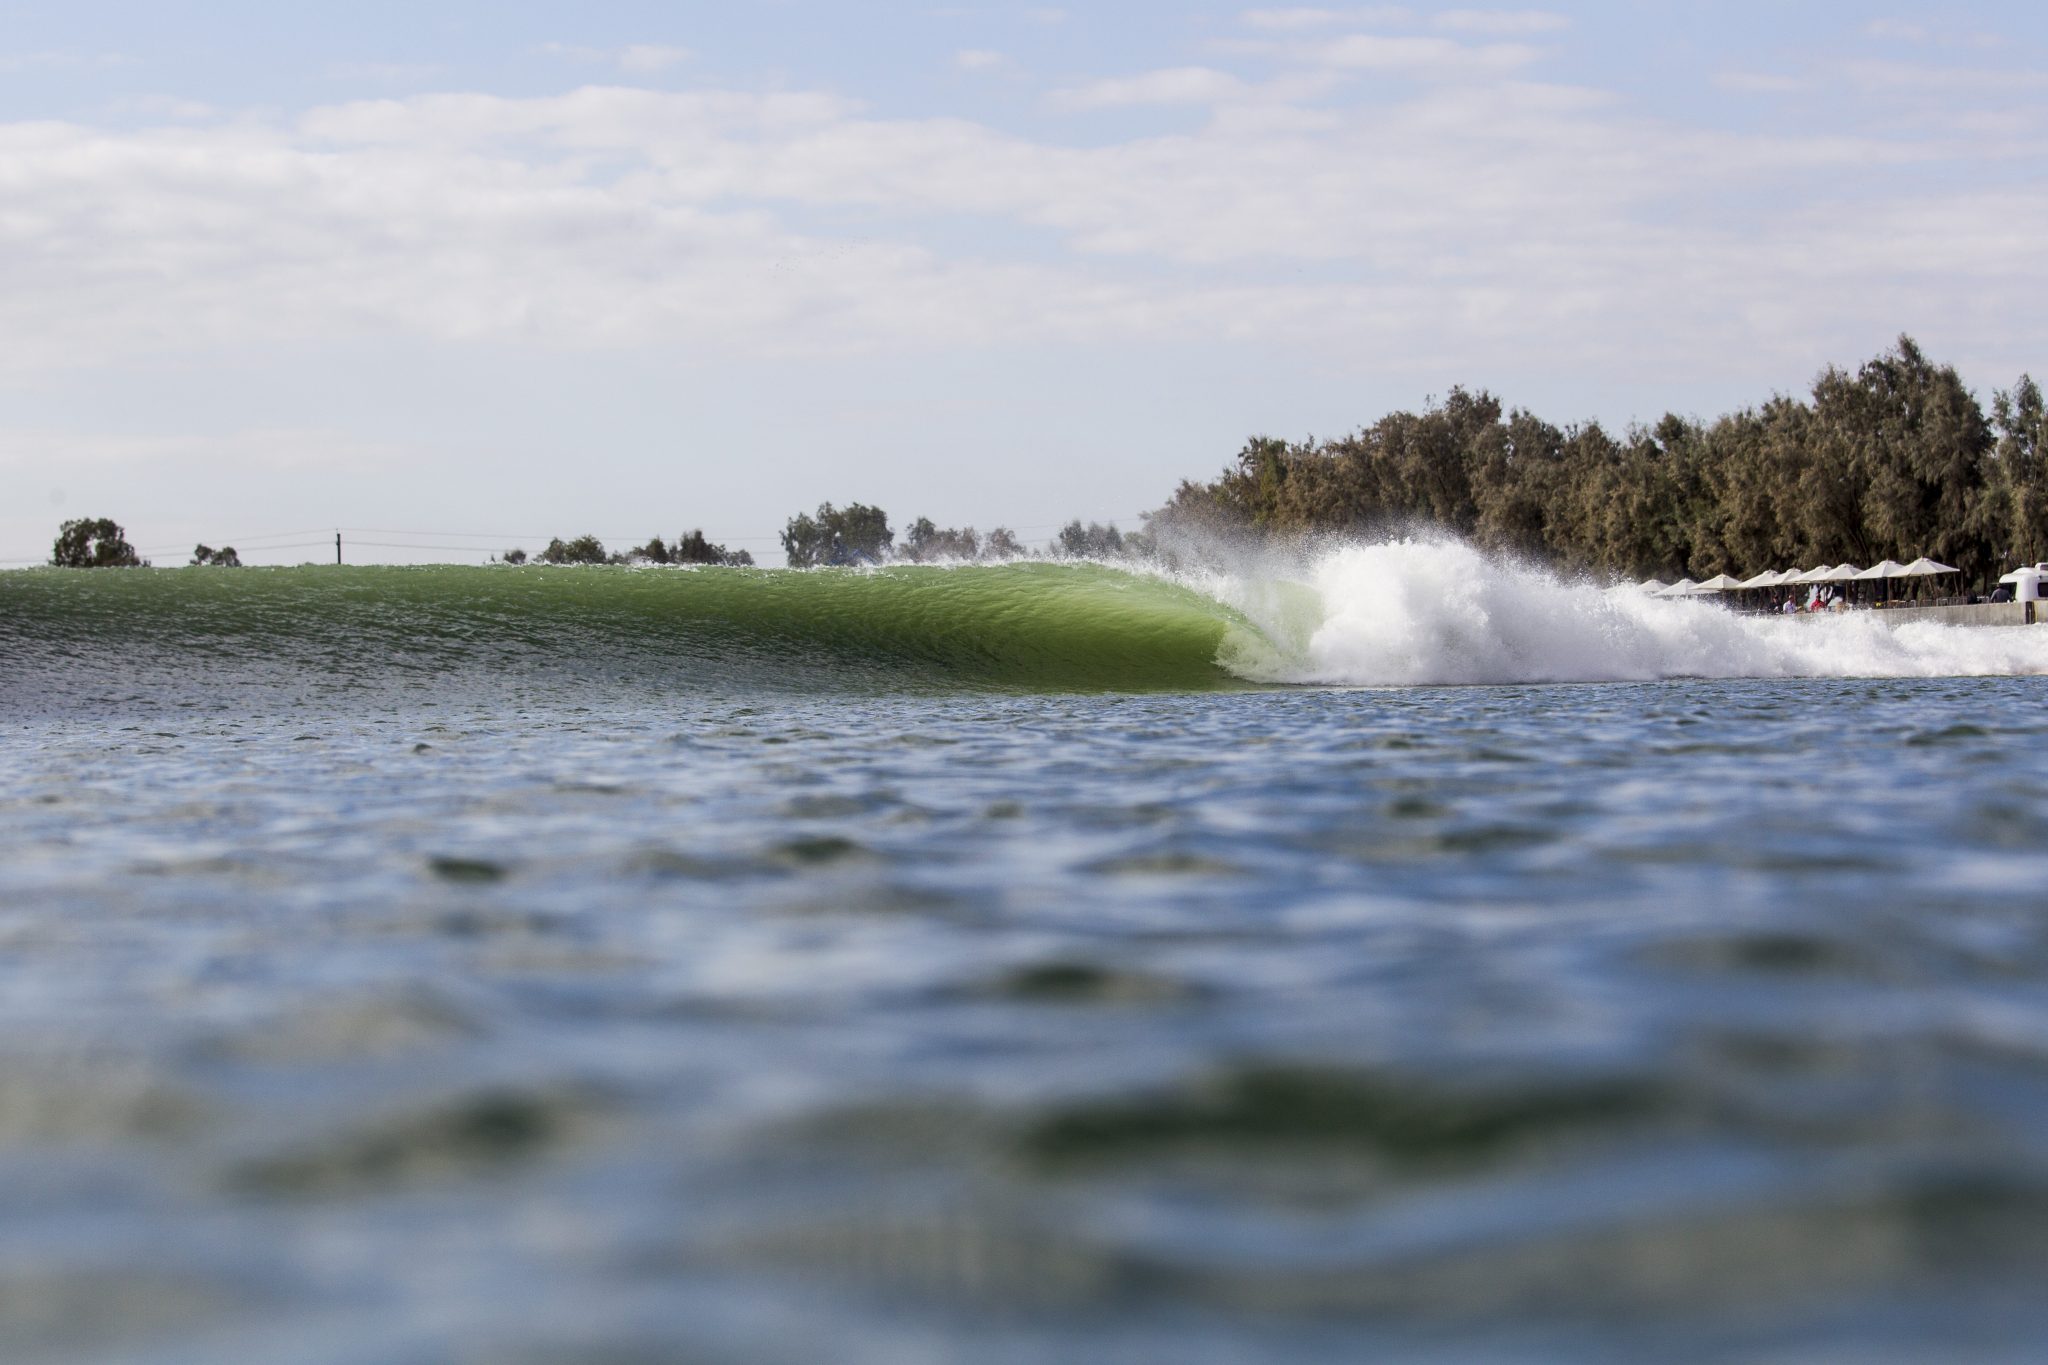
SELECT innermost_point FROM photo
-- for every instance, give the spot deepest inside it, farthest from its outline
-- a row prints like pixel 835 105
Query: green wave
pixel 1040 626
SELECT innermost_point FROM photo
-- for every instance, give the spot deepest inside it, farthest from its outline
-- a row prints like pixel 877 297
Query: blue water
pixel 555 1014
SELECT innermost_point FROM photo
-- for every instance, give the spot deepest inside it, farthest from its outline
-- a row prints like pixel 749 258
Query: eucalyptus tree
pixel 94 543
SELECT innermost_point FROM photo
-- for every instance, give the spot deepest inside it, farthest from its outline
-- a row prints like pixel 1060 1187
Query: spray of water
pixel 1435 611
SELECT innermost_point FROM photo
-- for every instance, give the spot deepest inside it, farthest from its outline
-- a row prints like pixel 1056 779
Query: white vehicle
pixel 2028 583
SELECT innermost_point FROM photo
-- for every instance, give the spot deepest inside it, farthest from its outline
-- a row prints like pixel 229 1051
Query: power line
pixel 166 547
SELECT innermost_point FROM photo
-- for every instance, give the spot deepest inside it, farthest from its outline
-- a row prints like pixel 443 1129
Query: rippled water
pixel 394 1014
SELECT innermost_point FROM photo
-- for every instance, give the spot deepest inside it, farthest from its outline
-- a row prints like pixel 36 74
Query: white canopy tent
pixel 1924 567
pixel 1879 572
pixel 1684 587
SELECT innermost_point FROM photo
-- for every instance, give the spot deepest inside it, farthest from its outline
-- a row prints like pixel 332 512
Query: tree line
pixel 1892 461
pixel 690 549
pixel 100 543
pixel 859 534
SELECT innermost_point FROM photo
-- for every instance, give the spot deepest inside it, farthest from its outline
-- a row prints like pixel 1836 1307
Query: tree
pixel 225 557
pixel 2016 493
pixel 515 556
pixel 854 534
pixel 582 550
pixel 925 542
pixel 1893 460
pixel 653 552
pixel 1911 437
pixel 94 543
pixel 695 549
pixel 1093 541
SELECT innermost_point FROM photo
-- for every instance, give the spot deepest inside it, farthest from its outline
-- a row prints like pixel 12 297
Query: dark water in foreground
pixel 413 1012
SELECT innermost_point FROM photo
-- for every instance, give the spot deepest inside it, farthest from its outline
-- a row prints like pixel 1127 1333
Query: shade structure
pixel 1889 568
pixel 1841 573
pixel 1652 585
pixel 1819 575
pixel 1770 578
pixel 1925 568
pixel 1720 582
pixel 1684 587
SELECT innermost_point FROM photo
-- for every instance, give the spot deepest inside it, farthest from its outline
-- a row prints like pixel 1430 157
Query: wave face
pixel 1027 625
pixel 1405 613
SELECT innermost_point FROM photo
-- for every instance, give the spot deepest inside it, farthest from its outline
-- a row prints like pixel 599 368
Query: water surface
pixel 383 981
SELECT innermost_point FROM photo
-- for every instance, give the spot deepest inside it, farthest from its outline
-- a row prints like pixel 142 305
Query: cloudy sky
pixel 457 274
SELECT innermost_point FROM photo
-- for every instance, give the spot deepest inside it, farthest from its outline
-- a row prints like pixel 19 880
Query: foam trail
pixel 1414 612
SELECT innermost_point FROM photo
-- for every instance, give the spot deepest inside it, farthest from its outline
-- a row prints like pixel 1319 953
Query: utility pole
pixel 337 547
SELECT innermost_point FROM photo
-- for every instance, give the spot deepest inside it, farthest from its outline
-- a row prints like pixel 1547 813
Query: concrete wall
pixel 1983 614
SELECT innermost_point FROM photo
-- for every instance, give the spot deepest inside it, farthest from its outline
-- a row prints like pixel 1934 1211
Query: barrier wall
pixel 1983 614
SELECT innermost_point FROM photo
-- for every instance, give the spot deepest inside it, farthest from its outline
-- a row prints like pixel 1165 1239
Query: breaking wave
pixel 1398 613
pixel 1417 612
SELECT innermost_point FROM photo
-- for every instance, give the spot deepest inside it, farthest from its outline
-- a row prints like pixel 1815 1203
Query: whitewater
pixel 1435 612
pixel 1374 951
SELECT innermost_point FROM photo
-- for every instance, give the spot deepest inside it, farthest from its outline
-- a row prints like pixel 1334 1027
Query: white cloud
pixel 1295 19
pixel 1445 223
pixel 1759 83
pixel 1923 35
pixel 1897 30
pixel 1423 58
pixel 636 58
pixel 979 59
pixel 384 73
pixel 12 63
pixel 1177 85
pixel 648 57
pixel 1909 77
pixel 1501 22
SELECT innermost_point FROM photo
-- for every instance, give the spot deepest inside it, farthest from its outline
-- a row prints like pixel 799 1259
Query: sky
pixel 456 276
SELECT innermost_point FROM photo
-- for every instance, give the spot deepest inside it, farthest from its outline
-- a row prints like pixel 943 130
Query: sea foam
pixel 1429 611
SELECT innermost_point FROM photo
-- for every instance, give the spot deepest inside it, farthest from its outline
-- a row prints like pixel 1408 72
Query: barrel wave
pixel 1036 626
pixel 1390 614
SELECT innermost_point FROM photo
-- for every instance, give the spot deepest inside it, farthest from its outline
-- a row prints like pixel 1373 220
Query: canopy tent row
pixel 1785 578
pixel 1685 587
